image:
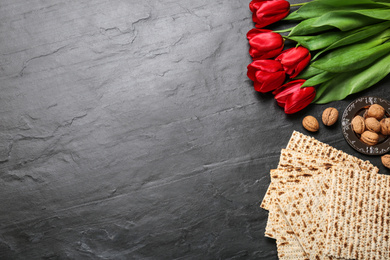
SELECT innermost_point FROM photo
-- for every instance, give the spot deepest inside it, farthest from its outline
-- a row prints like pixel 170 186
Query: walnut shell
pixel 369 138
pixel 372 124
pixel 310 123
pixel 330 116
pixel 376 111
pixel 385 126
pixel 358 125
pixel 386 160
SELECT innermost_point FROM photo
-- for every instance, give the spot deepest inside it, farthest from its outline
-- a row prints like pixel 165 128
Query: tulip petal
pixel 291 93
pixel 266 82
pixel 264 44
pixel 300 99
pixel 254 32
pixel 267 75
pixel 269 12
pixel 294 60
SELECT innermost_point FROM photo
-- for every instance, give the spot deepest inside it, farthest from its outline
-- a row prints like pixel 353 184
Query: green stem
pixel 285 30
pixel 300 4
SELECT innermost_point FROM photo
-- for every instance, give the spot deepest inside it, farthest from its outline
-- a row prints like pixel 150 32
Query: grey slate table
pixel 129 130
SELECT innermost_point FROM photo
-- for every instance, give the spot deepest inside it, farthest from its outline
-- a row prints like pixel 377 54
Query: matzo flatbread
pixel 363 209
pixel 282 177
pixel 370 218
pixel 309 145
pixel 349 201
pixel 292 206
pixel 290 158
pixel 379 218
pixel 384 251
pixel 350 227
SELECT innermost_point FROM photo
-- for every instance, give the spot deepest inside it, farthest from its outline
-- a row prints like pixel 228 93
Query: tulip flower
pixel 264 44
pixel 294 60
pixel 292 97
pixel 267 75
pixel 268 12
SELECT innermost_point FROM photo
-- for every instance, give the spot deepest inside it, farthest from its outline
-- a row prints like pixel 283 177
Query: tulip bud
pixel 267 75
pixel 292 97
pixel 266 12
pixel 264 44
pixel 294 60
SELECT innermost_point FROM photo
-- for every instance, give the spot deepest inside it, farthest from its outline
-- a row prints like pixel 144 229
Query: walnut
pixel 385 126
pixel 330 116
pixel 369 138
pixel 372 124
pixel 386 160
pixel 310 123
pixel 358 125
pixel 376 111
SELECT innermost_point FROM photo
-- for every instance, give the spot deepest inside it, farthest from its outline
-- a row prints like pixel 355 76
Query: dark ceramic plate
pixel 358 107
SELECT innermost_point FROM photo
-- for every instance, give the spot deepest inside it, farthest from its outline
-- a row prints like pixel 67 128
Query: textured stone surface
pixel 130 130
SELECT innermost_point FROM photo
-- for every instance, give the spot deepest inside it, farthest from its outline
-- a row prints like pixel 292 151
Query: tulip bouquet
pixel 342 47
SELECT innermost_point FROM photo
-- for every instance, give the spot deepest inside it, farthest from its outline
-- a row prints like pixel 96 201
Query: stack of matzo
pixel 326 204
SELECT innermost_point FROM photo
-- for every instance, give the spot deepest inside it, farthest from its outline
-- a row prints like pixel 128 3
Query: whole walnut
pixel 358 125
pixel 330 116
pixel 376 111
pixel 372 124
pixel 310 123
pixel 385 126
pixel 369 138
pixel 386 160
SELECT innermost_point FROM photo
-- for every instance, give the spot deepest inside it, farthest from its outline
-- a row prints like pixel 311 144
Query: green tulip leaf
pixel 318 79
pixel 355 56
pixel 382 1
pixel 317 8
pixel 293 16
pixel 318 42
pixel 351 61
pixel 382 14
pixel 309 72
pixel 338 3
pixel 351 37
pixel 343 20
pixel 333 39
pixel 349 83
pixel 313 9
pixel 306 27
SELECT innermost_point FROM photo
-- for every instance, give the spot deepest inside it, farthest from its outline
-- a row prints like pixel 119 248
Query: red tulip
pixel 268 12
pixel 294 60
pixel 292 97
pixel 267 75
pixel 264 44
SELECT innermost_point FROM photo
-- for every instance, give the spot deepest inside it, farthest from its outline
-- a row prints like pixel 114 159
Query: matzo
pixel 363 209
pixel 303 210
pixel 384 251
pixel 371 205
pixel 309 145
pixel 349 229
pixel 379 218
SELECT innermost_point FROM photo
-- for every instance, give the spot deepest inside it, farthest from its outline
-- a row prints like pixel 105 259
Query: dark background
pixel 129 130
